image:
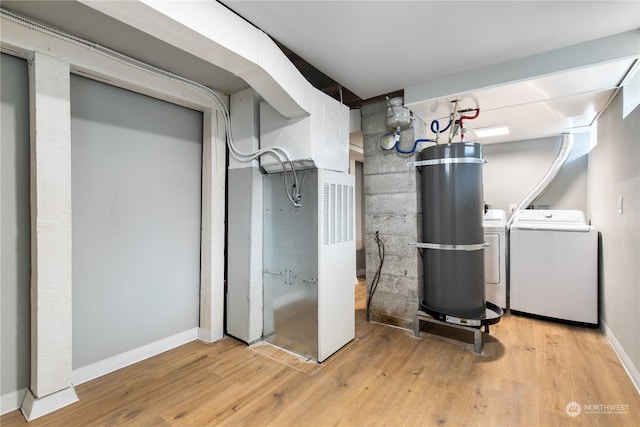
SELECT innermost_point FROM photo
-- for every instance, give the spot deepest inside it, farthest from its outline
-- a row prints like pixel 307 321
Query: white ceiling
pixel 539 107
pixel 377 47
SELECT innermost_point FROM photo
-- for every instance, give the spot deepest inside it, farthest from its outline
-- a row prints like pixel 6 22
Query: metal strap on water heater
pixel 447 161
pixel 444 247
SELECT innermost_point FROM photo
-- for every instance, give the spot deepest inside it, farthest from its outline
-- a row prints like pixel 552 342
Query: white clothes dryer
pixel 495 257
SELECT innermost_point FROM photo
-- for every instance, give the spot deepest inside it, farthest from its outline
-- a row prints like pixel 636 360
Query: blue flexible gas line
pixel 415 145
pixel 436 124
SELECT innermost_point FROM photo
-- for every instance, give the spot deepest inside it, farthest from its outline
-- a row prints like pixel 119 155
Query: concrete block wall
pixel 393 209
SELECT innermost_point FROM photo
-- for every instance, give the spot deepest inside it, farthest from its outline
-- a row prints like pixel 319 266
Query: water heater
pixel 453 235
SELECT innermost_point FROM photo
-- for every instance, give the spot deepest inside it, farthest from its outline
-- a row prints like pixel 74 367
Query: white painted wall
pixel 513 169
pixel 136 168
pixel 614 170
pixel 15 266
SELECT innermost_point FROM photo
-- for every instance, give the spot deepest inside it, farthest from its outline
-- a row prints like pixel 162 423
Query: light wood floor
pixel 529 371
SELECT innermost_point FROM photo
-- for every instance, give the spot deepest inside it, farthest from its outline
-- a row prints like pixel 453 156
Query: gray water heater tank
pixel 453 207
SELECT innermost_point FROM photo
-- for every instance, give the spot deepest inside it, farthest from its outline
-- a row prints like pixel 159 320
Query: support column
pixel 51 327
pixel 213 227
pixel 244 244
pixel 392 209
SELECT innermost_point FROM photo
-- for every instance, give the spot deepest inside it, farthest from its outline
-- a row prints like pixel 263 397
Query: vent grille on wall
pixel 337 223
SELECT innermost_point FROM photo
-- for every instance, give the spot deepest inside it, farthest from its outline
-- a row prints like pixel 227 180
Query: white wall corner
pixel 36 407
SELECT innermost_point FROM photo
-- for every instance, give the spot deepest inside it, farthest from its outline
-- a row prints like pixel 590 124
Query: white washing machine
pixel 495 259
pixel 554 265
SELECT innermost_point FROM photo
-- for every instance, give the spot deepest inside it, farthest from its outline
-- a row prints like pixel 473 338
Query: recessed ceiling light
pixel 488 132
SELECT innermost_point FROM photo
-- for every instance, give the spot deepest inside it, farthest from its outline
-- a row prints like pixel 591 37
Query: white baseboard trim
pixel 119 361
pixel 36 407
pixel 11 401
pixel 209 336
pixel 627 364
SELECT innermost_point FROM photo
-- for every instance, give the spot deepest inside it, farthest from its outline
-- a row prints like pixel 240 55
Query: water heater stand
pixel 492 316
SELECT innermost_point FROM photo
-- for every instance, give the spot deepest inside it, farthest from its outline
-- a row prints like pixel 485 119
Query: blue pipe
pixel 415 145
pixel 436 124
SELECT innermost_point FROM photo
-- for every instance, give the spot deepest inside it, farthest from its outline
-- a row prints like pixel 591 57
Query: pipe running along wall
pixel 283 157
pixel 563 153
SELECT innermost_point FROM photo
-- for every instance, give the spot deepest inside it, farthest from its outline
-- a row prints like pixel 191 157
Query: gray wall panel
pixel 614 171
pixel 136 192
pixel 513 169
pixel 15 263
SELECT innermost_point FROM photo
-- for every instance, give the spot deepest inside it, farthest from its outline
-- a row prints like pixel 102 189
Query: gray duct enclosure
pixel 309 264
pixel 290 275
pixel 453 236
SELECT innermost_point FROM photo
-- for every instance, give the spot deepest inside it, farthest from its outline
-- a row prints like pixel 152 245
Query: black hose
pixel 376 277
